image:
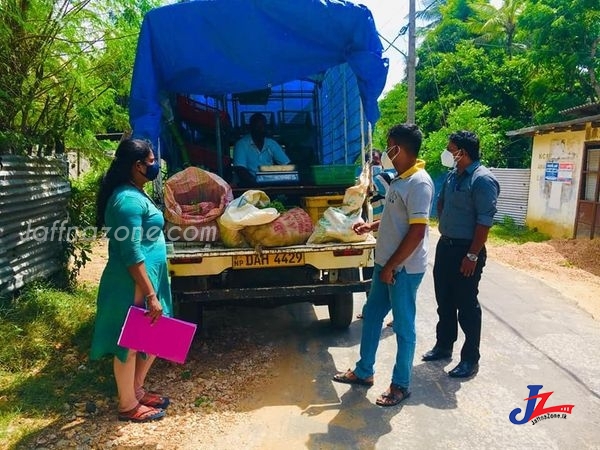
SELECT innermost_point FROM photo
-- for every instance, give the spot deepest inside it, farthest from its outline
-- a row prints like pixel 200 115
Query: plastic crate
pixel 316 206
pixel 333 175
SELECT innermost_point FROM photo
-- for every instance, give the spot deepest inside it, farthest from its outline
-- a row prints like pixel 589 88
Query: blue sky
pixel 390 16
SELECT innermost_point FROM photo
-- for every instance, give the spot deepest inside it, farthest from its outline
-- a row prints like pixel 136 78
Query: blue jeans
pixel 400 297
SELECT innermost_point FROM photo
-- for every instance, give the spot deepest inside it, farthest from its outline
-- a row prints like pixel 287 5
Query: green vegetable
pixel 277 205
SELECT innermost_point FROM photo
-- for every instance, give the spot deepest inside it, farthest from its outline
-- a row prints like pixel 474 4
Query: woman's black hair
pixel 128 153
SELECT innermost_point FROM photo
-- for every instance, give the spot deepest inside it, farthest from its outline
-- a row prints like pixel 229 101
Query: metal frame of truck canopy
pixel 267 43
pixel 322 122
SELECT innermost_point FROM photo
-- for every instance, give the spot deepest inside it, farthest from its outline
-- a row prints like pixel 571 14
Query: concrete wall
pixel 556 164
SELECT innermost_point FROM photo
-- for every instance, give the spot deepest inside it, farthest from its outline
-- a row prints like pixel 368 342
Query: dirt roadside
pixel 571 266
pixel 207 390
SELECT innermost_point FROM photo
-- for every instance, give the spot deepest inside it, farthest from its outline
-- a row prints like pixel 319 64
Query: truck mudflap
pixel 313 293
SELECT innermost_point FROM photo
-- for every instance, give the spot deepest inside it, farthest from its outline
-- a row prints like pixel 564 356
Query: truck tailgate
pixel 191 259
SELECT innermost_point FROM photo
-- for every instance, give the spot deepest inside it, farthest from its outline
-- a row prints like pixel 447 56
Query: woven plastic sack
pixel 293 227
pixel 230 237
pixel 337 221
pixel 195 196
pixel 355 196
pixel 246 210
pixel 336 226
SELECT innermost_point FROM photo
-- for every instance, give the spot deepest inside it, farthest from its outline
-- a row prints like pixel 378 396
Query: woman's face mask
pixel 152 171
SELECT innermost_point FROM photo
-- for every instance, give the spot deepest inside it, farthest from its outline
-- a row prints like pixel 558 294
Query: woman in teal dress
pixel 135 274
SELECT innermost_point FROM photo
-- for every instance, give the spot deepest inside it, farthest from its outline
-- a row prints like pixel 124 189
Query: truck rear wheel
pixel 341 308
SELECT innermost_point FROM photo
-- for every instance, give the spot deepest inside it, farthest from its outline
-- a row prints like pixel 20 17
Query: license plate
pixel 268 260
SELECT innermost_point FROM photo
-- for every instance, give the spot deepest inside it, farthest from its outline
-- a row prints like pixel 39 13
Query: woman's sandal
pixel 393 396
pixel 349 377
pixel 155 400
pixel 141 413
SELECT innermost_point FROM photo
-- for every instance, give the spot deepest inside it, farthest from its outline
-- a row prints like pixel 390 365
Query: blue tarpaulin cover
pixel 216 47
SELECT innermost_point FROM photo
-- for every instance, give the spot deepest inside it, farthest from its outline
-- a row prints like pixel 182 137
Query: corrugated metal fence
pixel 33 198
pixel 514 194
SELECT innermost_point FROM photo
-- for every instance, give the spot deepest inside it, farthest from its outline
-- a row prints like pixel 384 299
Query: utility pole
pixel 412 62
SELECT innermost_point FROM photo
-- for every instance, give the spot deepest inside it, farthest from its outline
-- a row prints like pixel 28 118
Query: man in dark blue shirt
pixel 466 208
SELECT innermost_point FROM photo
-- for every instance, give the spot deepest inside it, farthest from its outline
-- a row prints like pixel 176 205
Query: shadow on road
pixel 357 423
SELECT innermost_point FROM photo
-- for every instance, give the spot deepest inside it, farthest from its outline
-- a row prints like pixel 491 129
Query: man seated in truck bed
pixel 255 150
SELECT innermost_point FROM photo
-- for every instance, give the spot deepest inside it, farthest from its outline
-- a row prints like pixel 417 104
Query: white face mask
pixel 448 159
pixel 386 161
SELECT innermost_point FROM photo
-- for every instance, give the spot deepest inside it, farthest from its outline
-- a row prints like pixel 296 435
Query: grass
pixel 44 368
pixel 508 232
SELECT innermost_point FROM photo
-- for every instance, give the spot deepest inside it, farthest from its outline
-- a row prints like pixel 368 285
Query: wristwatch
pixel 472 257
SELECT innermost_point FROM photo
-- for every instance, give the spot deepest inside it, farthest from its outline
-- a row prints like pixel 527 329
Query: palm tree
pixel 431 14
pixel 498 24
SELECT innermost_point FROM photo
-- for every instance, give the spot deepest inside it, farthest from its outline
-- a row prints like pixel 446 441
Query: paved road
pixel 531 336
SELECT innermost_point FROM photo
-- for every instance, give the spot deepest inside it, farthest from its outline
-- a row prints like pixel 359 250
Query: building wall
pixel 556 165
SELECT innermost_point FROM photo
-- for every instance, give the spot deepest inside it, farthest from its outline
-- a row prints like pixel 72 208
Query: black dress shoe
pixel 465 369
pixel 437 353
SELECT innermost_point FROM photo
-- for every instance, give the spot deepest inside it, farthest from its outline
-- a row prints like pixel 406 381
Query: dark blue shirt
pixel 468 199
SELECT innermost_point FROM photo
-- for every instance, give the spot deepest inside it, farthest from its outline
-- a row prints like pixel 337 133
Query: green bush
pixel 82 216
pixel 82 206
pixel 508 231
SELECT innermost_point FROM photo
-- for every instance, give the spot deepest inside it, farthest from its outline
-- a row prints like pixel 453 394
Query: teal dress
pixel 135 233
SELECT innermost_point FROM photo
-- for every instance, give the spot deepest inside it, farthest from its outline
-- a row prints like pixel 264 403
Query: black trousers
pixel 456 297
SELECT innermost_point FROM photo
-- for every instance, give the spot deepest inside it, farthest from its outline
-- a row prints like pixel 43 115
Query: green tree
pixel 499 25
pixel 64 71
pixel 468 53
pixel 430 16
pixel 393 111
pixel 562 37
pixel 469 115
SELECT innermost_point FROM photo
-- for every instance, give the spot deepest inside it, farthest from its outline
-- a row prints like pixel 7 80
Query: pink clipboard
pixel 167 338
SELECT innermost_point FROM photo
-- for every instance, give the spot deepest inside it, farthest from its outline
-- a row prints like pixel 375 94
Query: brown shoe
pixel 349 377
pixel 394 395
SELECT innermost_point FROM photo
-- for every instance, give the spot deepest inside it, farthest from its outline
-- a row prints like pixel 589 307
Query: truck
pixel 315 69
